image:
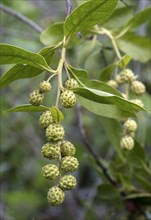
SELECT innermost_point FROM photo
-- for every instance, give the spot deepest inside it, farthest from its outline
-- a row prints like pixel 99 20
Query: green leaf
pixel 106 72
pixel 107 192
pixel 27 108
pixel 119 18
pixel 56 114
pixel 105 110
pixel 144 198
pixel 136 46
pixel 124 61
pixel 113 132
pixel 100 92
pixel 15 55
pixel 21 71
pixel 137 20
pixel 87 15
pixel 52 34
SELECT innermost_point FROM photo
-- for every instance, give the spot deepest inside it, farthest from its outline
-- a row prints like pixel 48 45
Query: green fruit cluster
pixel 67 97
pixel 129 129
pixel 36 97
pixel 64 152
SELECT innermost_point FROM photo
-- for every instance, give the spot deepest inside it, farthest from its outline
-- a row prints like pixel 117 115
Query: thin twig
pixel 21 17
pixel 68 7
pixel 91 149
pixel 124 3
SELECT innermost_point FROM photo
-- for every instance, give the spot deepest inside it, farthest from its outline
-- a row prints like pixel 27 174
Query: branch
pixel 68 7
pixel 21 17
pixel 91 149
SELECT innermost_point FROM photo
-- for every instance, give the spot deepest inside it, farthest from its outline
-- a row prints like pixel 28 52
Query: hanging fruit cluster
pixel 128 79
pixel 57 148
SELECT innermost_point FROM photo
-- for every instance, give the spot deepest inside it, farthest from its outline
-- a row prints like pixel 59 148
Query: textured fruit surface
pixel 138 87
pixel 51 151
pixel 112 83
pixel 68 99
pixel 45 86
pixel 67 149
pixel 46 119
pixel 50 171
pixel 67 182
pixel 55 196
pixel 127 142
pixel 55 132
pixel 138 102
pixel 127 76
pixel 69 164
pixel 71 83
pixel 36 98
pixel 130 125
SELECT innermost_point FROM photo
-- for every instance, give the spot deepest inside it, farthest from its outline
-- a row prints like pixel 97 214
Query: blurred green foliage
pixel 23 189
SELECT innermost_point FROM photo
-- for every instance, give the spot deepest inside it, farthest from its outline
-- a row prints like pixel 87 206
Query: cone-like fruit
pixel 46 119
pixel 51 151
pixel 50 171
pixel 55 132
pixel 45 86
pixel 130 125
pixel 36 98
pixel 67 182
pixel 55 196
pixel 127 142
pixel 113 84
pixel 67 149
pixel 127 76
pixel 71 84
pixel 68 99
pixel 69 164
pixel 138 87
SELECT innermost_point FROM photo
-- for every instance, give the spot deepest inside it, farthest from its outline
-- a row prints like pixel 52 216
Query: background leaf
pixel 87 15
pixel 52 34
pixel 15 55
pixel 106 72
pixel 136 46
pixel 105 110
pixel 27 108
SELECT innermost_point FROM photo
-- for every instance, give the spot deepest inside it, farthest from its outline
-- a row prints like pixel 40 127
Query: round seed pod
pixel 45 86
pixel 113 84
pixel 46 119
pixel 55 132
pixel 127 76
pixel 130 125
pixel 55 196
pixel 69 164
pixel 67 182
pixel 50 171
pixel 51 151
pixel 138 87
pixel 71 84
pixel 36 98
pixel 127 142
pixel 68 99
pixel 67 149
